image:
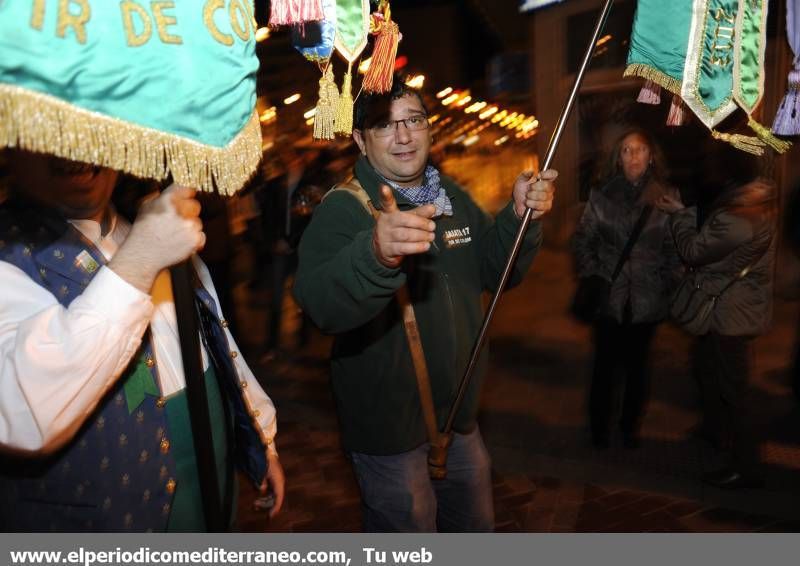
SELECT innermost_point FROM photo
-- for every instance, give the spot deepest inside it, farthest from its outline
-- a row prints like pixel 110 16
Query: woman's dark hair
pixel 373 108
pixel 658 167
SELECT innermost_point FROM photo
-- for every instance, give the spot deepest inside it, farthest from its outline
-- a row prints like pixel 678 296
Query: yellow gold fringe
pixel 743 143
pixel 653 74
pixel 779 145
pixel 344 110
pixel 325 115
pixel 45 124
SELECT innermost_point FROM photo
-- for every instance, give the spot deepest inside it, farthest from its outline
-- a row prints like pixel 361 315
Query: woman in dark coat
pixel 634 181
pixel 731 256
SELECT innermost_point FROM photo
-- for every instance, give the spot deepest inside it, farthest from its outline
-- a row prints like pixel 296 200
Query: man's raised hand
pixel 535 192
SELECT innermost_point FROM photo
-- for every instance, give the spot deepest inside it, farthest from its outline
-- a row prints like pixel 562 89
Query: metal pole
pixel 551 150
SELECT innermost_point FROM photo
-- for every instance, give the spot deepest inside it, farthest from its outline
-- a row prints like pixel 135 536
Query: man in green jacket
pixel 429 234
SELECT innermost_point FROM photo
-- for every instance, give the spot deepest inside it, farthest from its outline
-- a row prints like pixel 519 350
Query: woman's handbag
pixel 592 293
pixel 692 307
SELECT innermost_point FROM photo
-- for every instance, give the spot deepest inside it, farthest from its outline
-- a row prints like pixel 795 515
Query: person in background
pixel 731 256
pixel 287 202
pixel 634 179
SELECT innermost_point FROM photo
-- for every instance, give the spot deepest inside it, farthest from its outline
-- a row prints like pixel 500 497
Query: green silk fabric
pixel 692 47
pixel 138 384
pixel 750 61
pixel 660 34
pixel 187 505
pixel 352 27
pixel 186 68
pixel 713 67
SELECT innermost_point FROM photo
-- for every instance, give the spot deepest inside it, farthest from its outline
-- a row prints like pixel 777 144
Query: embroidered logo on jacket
pixel 457 237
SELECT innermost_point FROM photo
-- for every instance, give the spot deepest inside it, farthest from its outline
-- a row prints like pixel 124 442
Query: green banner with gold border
pixel 711 53
pixel 155 89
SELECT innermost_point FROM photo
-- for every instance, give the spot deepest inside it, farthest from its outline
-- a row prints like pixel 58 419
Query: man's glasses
pixel 388 128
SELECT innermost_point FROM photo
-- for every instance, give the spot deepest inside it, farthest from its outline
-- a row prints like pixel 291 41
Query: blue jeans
pixel 398 495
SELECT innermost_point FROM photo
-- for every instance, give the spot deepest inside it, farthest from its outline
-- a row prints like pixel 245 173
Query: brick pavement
pixel 546 478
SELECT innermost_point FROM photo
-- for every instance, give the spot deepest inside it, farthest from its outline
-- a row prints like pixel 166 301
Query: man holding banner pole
pixel 95 428
pixel 393 264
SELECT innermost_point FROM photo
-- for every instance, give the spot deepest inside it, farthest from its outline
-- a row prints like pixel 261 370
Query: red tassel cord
pixel 650 93
pixel 677 112
pixel 381 67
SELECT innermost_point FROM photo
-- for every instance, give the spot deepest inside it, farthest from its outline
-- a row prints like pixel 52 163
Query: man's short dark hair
pixel 373 108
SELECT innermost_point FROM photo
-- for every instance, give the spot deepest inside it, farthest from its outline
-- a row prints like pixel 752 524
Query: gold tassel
pixel 344 110
pixel 748 144
pixel 45 124
pixel 325 115
pixel 779 145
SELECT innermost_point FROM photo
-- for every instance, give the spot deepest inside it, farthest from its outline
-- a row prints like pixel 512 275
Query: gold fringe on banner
pixel 779 145
pixel 344 110
pixel 653 74
pixel 45 124
pixel 744 143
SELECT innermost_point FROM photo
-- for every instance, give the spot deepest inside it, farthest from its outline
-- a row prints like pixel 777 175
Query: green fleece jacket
pixel 345 290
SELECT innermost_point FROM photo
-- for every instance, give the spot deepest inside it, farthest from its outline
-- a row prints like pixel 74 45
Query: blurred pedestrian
pixel 625 242
pixel 288 201
pixel 726 299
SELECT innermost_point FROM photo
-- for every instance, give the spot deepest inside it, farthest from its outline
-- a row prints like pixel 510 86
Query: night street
pixel 547 476
pixel 238 236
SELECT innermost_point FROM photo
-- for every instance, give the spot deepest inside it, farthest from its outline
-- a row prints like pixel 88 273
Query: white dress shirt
pixel 56 363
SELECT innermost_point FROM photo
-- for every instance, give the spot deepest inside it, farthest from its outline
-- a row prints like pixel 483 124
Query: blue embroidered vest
pixel 117 473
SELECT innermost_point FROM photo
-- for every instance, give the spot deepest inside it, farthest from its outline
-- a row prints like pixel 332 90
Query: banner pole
pixel 438 459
